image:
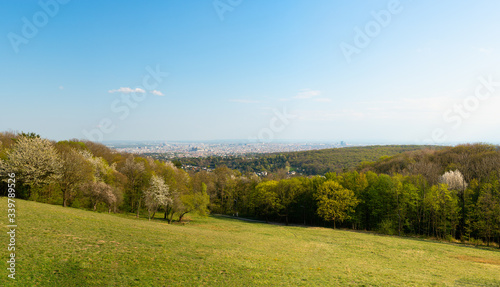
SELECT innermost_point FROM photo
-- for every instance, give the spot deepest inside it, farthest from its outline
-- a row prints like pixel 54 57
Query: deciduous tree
pixel 76 170
pixel 34 161
pixel 99 192
pixel 335 203
pixel 156 195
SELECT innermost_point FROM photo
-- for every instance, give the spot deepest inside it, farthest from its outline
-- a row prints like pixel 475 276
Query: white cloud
pixel 157 93
pixel 127 90
pixel 61 88
pixel 307 94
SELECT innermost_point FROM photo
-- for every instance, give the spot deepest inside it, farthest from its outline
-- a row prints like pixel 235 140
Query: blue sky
pixel 260 70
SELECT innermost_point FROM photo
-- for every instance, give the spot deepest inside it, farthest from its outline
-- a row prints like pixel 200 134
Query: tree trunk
pixel 65 189
pixel 181 216
pixel 399 224
pixel 138 208
pixel 461 226
pixel 167 213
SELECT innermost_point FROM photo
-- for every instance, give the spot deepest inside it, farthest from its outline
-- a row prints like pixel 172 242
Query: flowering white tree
pixel 99 192
pixel 454 180
pixel 158 194
pixel 101 168
pixel 34 161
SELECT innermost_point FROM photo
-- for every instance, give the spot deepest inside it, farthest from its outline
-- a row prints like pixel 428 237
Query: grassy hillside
pixel 70 247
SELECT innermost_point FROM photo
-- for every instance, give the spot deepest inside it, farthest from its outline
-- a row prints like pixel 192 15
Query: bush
pixel 387 227
pixel 475 241
pixel 449 238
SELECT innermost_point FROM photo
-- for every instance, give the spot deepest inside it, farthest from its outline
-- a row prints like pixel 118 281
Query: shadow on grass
pixel 70 273
pixel 429 240
pixel 413 238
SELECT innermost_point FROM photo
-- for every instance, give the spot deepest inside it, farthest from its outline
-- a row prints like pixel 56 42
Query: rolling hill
pixel 312 162
pixel 59 246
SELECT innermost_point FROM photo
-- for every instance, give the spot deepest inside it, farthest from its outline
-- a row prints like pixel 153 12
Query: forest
pixel 449 193
pixel 312 162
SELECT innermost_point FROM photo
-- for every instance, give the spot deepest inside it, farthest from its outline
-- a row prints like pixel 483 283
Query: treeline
pixel 448 193
pixel 391 204
pixel 304 162
pixel 85 174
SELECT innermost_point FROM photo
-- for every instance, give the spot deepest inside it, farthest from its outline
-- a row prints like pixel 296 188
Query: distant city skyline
pixel 200 149
pixel 380 72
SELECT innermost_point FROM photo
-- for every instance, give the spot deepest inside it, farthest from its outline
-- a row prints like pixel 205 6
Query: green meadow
pixel 58 246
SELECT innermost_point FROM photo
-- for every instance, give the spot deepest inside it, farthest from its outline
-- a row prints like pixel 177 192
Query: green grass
pixel 70 247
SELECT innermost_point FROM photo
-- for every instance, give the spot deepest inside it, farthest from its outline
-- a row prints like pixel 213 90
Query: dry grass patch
pixel 479 259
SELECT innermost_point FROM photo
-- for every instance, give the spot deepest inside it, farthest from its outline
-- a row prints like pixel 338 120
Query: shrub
pixel 387 227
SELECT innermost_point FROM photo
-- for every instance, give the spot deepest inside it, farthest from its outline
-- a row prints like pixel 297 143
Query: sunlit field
pixel 70 247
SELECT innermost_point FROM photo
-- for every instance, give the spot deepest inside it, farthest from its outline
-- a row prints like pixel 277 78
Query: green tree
pixel 488 211
pixel 407 197
pixel 357 182
pixel 287 191
pixel 76 170
pixel 335 203
pixel 456 181
pixel 224 180
pixel 194 201
pixel 136 174
pixel 443 205
pixel 266 198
